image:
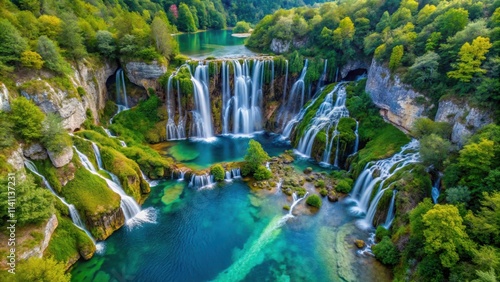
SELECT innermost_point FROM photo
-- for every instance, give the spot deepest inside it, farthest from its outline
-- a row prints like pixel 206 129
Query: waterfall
pixel 291 106
pixel 278 186
pixel 236 173
pixel 286 83
pixel 385 168
pixel 181 174
pixel 202 181
pixel 296 200
pixel 435 189
pixel 298 117
pixel 390 212
pixel 227 176
pixel 323 78
pixel 244 108
pixel 327 116
pixel 120 109
pixel 121 90
pixel 272 78
pixel 75 217
pixel 202 114
pixel 267 166
pixel 131 209
pixel 356 143
pixel 174 132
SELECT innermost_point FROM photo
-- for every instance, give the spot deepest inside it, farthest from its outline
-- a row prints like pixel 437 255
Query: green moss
pixel 46 169
pixel 67 241
pixel 85 147
pixel 98 138
pixel 90 193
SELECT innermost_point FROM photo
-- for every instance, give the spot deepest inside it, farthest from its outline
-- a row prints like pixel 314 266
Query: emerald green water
pixel 212 43
pixel 233 233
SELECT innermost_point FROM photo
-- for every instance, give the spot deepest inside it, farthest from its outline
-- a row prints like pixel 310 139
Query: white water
pixel 202 114
pixel 267 166
pixel 131 210
pixel 233 174
pixel 390 213
pixel 435 190
pixel 121 90
pixel 328 115
pixel 174 131
pixel 278 186
pixel 296 99
pixel 75 217
pixel 356 143
pixel 385 168
pixel 202 181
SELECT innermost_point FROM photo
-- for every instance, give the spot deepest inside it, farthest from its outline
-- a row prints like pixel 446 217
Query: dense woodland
pixel 441 48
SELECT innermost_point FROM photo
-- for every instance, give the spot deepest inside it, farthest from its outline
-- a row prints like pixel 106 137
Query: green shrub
pixel 381 232
pixel 308 170
pixel 314 201
pixel 254 158
pixel 386 252
pixel 218 172
pixel 55 138
pixel 343 186
pixel 320 184
pixel 323 192
pixel 241 27
pixel 262 173
pixel 286 207
pixel 27 119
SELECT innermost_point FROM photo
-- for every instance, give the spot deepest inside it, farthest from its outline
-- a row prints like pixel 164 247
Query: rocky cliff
pixel 145 74
pixel 398 103
pixel 85 90
pixel 466 120
pixel 104 224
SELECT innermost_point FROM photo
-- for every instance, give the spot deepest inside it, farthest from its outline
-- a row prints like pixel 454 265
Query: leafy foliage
pixel 46 269
pixel 386 252
pixel 55 138
pixel 241 27
pixel 314 201
pixel 262 173
pixel 218 172
pixel 254 158
pixel 27 119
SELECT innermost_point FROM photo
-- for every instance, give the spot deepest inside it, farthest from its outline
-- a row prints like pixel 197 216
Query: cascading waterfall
pixel 296 200
pixel 279 185
pixel 385 168
pixel 290 106
pixel 246 103
pixel 286 83
pixel 390 212
pixel 268 166
pixel 121 90
pixel 435 189
pixel 323 78
pixel 202 181
pixel 131 209
pixel 202 114
pixel 233 174
pixel 327 116
pixel 174 132
pixel 75 217
pixel 356 142
pixel 227 176
pixel 298 117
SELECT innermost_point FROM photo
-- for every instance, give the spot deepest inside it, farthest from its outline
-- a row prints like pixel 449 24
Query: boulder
pixel 61 159
pixel 332 197
pixel 359 243
pixel 37 251
pixel 35 152
pixel 16 159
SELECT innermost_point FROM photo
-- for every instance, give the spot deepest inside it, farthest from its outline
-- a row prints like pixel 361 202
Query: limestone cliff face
pixel 353 65
pixel 397 101
pixel 87 91
pixel 145 74
pixel 38 250
pixel 105 224
pixel 279 46
pixel 465 119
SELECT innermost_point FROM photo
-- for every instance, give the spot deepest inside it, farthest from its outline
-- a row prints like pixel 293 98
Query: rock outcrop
pixel 87 91
pixel 105 224
pixel 143 74
pixel 16 160
pixel 399 103
pixel 279 46
pixel 38 250
pixel 4 98
pixel 35 152
pixel 353 65
pixel 465 120
pixel 61 159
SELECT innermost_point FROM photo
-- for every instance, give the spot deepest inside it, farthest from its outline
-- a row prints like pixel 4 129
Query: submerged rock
pixel 359 243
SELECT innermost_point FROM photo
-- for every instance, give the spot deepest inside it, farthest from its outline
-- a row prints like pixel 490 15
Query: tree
pixel 344 34
pixel 262 173
pixel 11 42
pixel 218 172
pixel 185 21
pixel 241 27
pixel 165 44
pixel 55 138
pixel 7 133
pixel 434 150
pixel 445 234
pixel 27 119
pixel 106 44
pixel 484 226
pixel 30 5
pixel 52 59
pixel 71 39
pixel 42 269
pixel 254 158
pixel 456 195
pixel 49 26
pixel 476 159
pixel 426 126
pixel 470 59
pixel 32 60
pixel 396 56
pixel 452 21
pixel 386 252
pixel 424 70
